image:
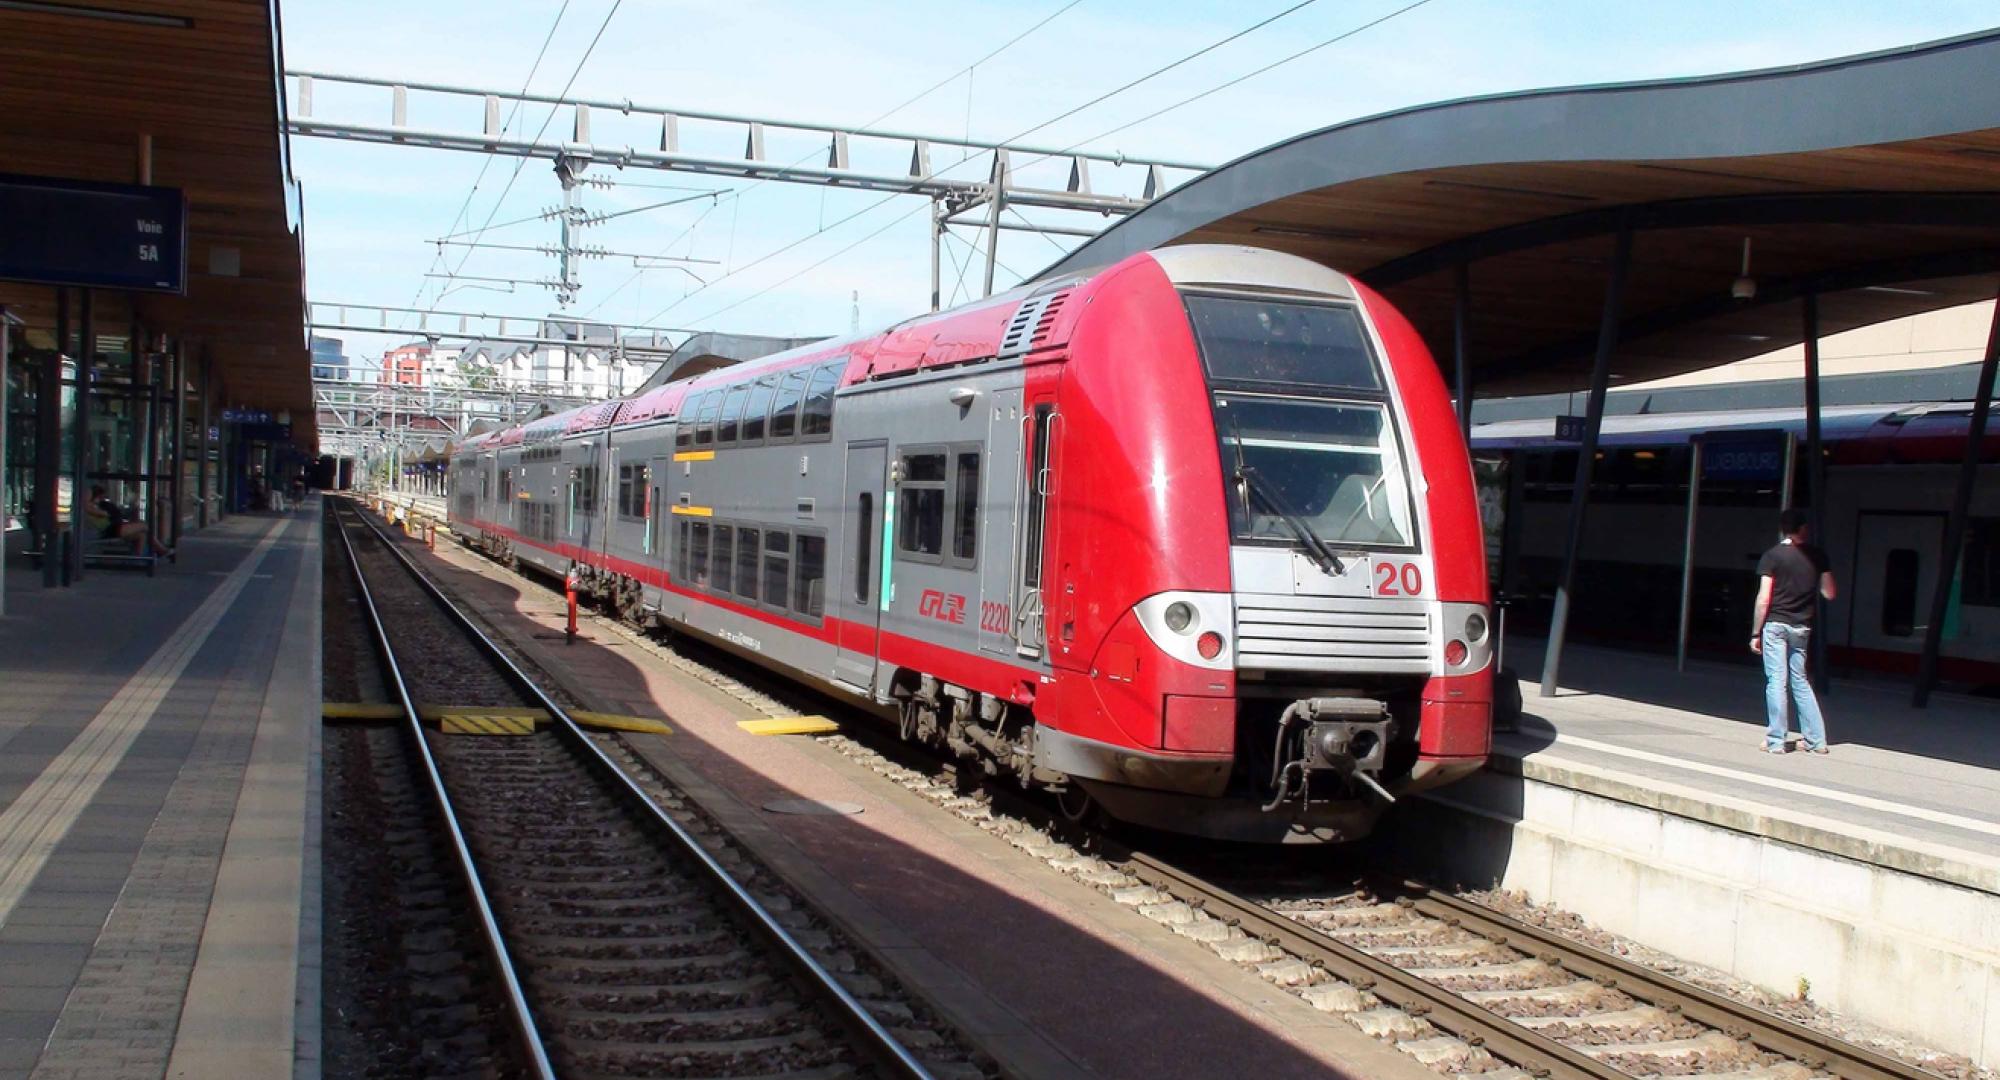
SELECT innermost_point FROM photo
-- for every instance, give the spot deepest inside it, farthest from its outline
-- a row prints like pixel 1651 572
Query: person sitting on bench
pixel 108 518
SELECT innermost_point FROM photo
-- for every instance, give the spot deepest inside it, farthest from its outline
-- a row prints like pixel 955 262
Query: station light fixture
pixel 1745 286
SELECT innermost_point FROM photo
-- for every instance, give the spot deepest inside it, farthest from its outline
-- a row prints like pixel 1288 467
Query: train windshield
pixel 1309 448
pixel 1319 473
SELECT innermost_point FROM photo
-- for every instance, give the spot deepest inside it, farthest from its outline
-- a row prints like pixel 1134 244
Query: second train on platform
pixel 1191 538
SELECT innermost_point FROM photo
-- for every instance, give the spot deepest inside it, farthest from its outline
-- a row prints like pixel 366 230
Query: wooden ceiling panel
pixel 79 93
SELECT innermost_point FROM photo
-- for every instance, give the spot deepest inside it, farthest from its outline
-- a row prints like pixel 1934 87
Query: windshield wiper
pixel 1316 548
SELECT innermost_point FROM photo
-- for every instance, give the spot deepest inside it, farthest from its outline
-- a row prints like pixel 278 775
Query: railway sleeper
pixel 1709 1044
pixel 1642 1016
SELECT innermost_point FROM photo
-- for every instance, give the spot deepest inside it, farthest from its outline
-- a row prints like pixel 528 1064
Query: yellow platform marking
pixel 790 725
pixel 695 455
pixel 486 722
pixel 695 511
pixel 353 710
pixel 440 714
pixel 608 722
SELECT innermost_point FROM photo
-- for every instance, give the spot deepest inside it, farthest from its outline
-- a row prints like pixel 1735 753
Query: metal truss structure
pixel 841 157
pixel 366 419
pixel 638 342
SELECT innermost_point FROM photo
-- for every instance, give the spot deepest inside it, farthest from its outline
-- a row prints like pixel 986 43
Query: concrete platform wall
pixel 1917 953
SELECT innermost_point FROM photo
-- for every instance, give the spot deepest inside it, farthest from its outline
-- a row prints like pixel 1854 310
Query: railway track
pixel 1410 956
pixel 619 945
pixel 1463 988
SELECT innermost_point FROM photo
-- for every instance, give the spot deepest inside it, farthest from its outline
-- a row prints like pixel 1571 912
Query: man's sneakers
pixel 1778 749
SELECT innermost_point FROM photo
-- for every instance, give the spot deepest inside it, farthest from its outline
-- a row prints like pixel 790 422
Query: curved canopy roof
pixel 1872 181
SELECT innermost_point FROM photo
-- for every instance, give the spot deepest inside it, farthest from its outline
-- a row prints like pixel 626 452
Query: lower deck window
pixel 747 546
pixel 721 556
pixel 809 581
pixel 698 555
pixel 777 566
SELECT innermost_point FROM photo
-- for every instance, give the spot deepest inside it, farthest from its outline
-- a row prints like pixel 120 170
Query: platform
pixel 156 875
pixel 1926 780
pixel 1640 798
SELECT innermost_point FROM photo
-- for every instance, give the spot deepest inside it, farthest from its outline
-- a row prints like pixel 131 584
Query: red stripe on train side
pixel 1016 684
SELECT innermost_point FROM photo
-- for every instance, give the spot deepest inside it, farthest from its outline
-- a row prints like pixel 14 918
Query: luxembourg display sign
pixel 109 236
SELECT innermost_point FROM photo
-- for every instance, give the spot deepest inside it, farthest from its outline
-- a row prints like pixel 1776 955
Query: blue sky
pixel 372 211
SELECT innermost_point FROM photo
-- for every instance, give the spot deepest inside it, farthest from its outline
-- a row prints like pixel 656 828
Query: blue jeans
pixel 1785 666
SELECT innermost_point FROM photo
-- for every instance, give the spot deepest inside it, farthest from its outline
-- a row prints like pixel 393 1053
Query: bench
pixel 101 552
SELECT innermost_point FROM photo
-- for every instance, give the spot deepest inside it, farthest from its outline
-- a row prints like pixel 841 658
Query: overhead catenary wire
pixel 487 163
pixel 539 132
pixel 964 72
pixel 1107 95
pixel 1335 39
pixel 1309 50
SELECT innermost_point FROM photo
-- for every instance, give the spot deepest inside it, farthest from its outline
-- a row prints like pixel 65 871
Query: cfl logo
pixel 944 607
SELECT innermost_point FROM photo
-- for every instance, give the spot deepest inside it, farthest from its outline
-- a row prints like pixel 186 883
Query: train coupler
pixel 1344 739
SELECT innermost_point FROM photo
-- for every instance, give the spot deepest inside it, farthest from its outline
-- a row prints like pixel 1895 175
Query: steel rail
pixel 1815 1050
pixel 875 1039
pixel 519 1012
pixel 1531 1050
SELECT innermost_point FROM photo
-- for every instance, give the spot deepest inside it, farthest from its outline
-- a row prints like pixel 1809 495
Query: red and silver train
pixel 1191 538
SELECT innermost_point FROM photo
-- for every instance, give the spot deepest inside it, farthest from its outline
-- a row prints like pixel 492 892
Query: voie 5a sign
pixel 111 236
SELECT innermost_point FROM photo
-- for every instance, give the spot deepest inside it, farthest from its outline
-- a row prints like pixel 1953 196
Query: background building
pixel 329 359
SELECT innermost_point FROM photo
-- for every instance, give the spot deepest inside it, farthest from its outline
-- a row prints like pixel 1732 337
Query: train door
pixel 656 512
pixel 863 587
pixel 999 531
pixel 1895 569
pixel 1030 618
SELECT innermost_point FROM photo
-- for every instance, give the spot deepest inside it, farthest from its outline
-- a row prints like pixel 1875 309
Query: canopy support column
pixel 1461 316
pixel 1815 480
pixel 1954 528
pixel 1586 456
pixel 177 442
pixel 79 485
pixel 48 448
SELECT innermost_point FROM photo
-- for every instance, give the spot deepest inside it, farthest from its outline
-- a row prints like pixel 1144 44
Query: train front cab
pixel 1266 609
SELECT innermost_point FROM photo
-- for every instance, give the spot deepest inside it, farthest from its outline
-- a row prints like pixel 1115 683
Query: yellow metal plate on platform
pixel 608 722
pixel 357 710
pixel 472 720
pixel 790 725
pixel 489 723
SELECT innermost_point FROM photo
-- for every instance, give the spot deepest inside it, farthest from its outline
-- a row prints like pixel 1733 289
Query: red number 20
pixel 1389 576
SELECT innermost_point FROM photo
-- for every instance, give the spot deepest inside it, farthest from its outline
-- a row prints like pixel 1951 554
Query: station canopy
pixel 85 82
pixel 1871 181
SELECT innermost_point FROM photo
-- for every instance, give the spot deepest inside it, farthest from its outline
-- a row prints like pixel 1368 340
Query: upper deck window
pixel 1283 343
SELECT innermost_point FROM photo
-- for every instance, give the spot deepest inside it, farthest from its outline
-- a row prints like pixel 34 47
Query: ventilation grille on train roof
pixel 1029 329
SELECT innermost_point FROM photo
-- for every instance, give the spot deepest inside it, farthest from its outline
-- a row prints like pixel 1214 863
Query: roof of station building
pixel 201 77
pixel 1870 181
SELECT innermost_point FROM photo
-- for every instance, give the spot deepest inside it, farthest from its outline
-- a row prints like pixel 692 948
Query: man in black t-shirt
pixel 1792 577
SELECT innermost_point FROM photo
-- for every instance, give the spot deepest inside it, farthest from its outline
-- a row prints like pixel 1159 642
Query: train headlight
pixel 1179 616
pixel 1475 628
pixel 1209 645
pixel 1454 652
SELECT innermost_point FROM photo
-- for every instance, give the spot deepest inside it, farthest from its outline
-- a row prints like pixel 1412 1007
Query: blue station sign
pixel 110 236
